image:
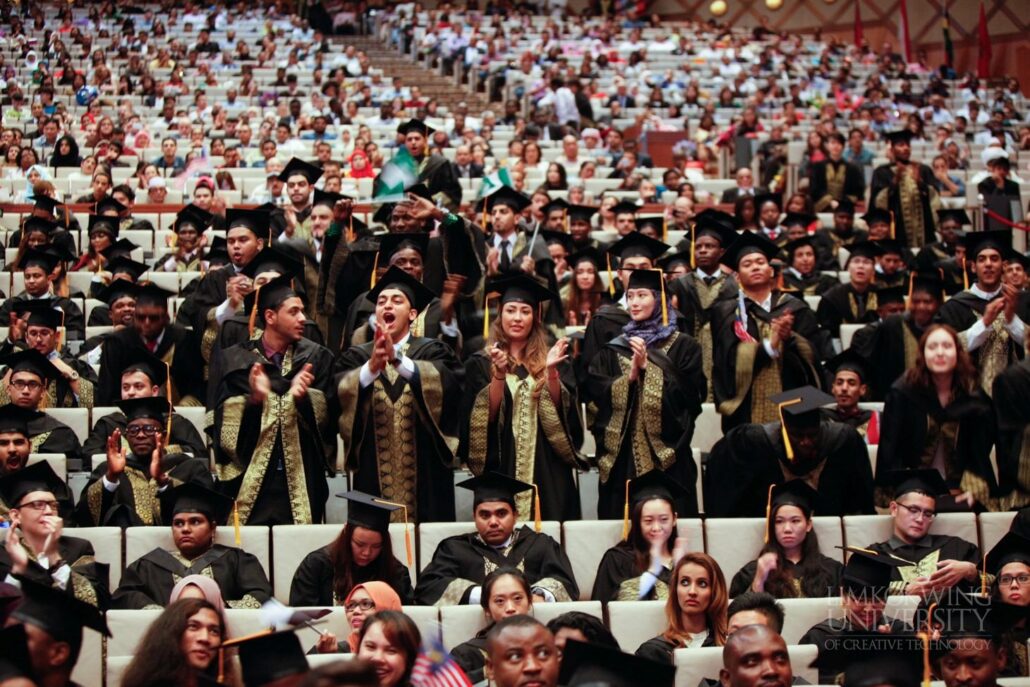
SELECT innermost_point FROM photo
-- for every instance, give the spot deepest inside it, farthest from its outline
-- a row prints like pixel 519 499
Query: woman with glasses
pixel 506 592
pixel 364 601
pixel 1009 562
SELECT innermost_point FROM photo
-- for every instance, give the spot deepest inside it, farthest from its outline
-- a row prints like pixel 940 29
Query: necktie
pixel 505 258
pixel 152 345
pixel 709 281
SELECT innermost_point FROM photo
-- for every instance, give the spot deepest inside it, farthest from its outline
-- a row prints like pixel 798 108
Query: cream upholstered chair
pixel 76 418
pixel 694 664
pixel 994 526
pixel 141 540
pixel 863 530
pixel 58 463
pixel 635 622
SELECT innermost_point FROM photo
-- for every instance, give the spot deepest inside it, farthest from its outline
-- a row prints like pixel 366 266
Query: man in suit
pixel 621 95
pixel 464 167
pixel 745 187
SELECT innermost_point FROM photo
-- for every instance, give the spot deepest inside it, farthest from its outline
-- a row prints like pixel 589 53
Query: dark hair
pixel 592 628
pixel 159 661
pixel 352 673
pixel 399 630
pixel 384 567
pixel 964 378
pixel 637 540
pixel 72 159
pixel 761 602
pixel 812 578
pixel 125 190
pixel 493 577
pixel 511 621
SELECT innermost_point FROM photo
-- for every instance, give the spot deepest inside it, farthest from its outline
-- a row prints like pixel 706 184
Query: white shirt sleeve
pixel 62 575
pixel 224 311
pixel 406 368
pixel 475 595
pixel 1016 329
pixel 769 350
pixel 450 329
pixel 109 485
pixel 548 596
pixel 975 335
pixel 366 376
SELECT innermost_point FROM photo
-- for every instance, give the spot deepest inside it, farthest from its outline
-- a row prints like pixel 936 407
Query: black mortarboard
pixel 416 125
pixel 844 207
pixel 625 207
pixel 964 615
pixel 368 511
pixel 492 486
pixel 592 664
pixel 1015 256
pixel 977 241
pixel 391 243
pixel 217 252
pixel 864 249
pixel 959 215
pixel 326 198
pixel 869 570
pixel 383 214
pixel 46 203
pixel 16 663
pixel 520 288
pixel 150 407
pixel 800 407
pixel 1012 548
pixel 33 257
pixel 721 225
pixel 271 294
pixel 800 219
pixel 581 212
pixel 637 245
pixel 891 246
pixel 272 260
pixel 899 136
pixel 747 243
pixel 57 612
pixel 267 658
pixel 865 662
pixel 763 198
pixel 656 484
pixel 670 261
pixel 152 294
pixel 558 237
pixel 193 497
pixel 1021 523
pixel 890 294
pixel 39 224
pixel 646 279
pixel 139 359
pixel 108 203
pixel 305 169
pixel 876 215
pixel 928 282
pixel 849 360
pixel 15 419
pixel 36 477
pixel 592 255
pixel 125 265
pixel 118 288
pixel 103 223
pixel 42 312
pixel 653 221
pixel 795 244
pixel 31 360
pixel 395 278
pixel 60 251
pixel 257 221
pixel 556 204
pixel 925 480
pixel 118 249
pixel 193 216
pixel 506 195
pixel 796 492
pixel 420 190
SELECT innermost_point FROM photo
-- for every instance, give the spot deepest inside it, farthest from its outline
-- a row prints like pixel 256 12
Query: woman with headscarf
pixel 34 175
pixel 66 153
pixel 648 384
pixel 364 601
pixel 197 587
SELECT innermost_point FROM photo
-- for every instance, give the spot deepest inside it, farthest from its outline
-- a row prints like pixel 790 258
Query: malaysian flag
pixel 434 667
pixel 740 323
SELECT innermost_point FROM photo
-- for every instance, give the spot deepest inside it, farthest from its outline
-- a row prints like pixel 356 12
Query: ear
pixel 724 677
pixel 488 670
pixel 412 315
pixel 58 654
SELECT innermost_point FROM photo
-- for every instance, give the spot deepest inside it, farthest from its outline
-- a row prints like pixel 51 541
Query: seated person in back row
pixel 39 269
pixel 196 512
pixel 461 563
pixel 15 447
pixel 26 380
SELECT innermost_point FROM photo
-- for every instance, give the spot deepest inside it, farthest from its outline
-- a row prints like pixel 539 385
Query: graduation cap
pixel 385 212
pixel 150 407
pixel 869 570
pixel 109 203
pixel 844 207
pixel 669 262
pixel 520 288
pixel 420 190
pixel 193 497
pixel 272 260
pixel 557 237
pixel 46 204
pixel 978 241
pixel 151 294
pixel 103 223
pixel 556 204
pixel 118 288
pixel 796 492
pixel 125 265
pixel 33 257
pixel 1012 548
pixel 865 249
pixel 305 169
pixel 327 198
pixel 368 511
pixel 850 361
pixel 654 484
pixel 118 249
pixel 957 215
pixel 40 224
pixel 899 136
pixel 57 612
pixel 16 663
pixel 267 657
pixel 192 216
pixel 876 216
pixel 591 255
pixel 592 664
pixel 792 246
pixel 890 246
pixel 637 245
pixel 798 219
pixel 31 360
pixel 395 278
pixel 868 664
pixel 218 252
pixel 506 195
pixel 393 243
pixel 417 126
pixel 716 223
pixel 139 359
pixel 493 486
pixel 747 243
pixel 625 207
pixel 41 313
pixel 257 221
pixel 581 213
pixel 15 420
pixel 1014 256
pixel 926 481
pixel 269 295
pixel 799 408
pixel 763 198
pixel 890 294
pixel 36 477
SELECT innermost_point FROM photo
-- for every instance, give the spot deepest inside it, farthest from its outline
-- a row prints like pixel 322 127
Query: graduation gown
pixel 74 322
pixel 913 202
pixel 842 304
pixel 836 180
pixel 148 581
pixel 926 553
pixel 605 324
pixel 177 347
pixel 828 244
pixel 694 300
pixel 618 578
pixel 833 569
pixel 273 458
pixel 893 343
pixel 647 424
pixel 88 581
pixel 531 439
pixel 313 582
pixel 815 284
pixel 662 650
pixel 471 656
pixel 59 392
pixel 914 425
pixel 48 435
pixel 829 634
pixel 743 374
pixel 357 330
pixel 1012 413
pixel 399 438
pixel 184 437
pixel 463 562
pixel 750 458
pixel 65 504
pixel 998 350
pixel 859 421
pixel 135 501
pixel 236 330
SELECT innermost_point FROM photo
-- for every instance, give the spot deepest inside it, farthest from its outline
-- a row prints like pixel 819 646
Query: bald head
pixel 755 655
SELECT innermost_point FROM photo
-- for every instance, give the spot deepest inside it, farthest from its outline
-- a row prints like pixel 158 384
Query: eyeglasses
pixel 916 511
pixel 364 604
pixel 1006 580
pixel 40 505
pixel 137 430
pixel 23 384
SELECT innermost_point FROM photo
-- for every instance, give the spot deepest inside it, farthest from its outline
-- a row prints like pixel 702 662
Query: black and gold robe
pixel 843 304
pixel 177 348
pixel 830 635
pixel 357 330
pixel 647 424
pixel 693 298
pixel 74 322
pixel 531 439
pixel 926 553
pixel 88 581
pixel 618 577
pixel 828 243
pixel 184 437
pixel 400 437
pixel 998 349
pixel 831 568
pixel 313 582
pixel 913 202
pixel 1012 413
pixel 59 392
pixel 743 374
pixel 815 284
pixel 750 458
pixel 47 435
pixel 273 458
pixel 148 581
pixel 836 180
pixel 894 344
pixel 463 562
pixel 860 420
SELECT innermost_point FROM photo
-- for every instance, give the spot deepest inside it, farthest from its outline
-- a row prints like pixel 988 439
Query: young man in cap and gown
pixel 27 379
pixel 854 302
pixel 435 171
pixel 906 190
pixel 38 268
pixel 849 376
pixel 15 447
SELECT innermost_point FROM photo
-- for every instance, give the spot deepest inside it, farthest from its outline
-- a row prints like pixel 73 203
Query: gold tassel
pixel 375 266
pixel 665 229
pixel 893 231
pixel 57 334
pixel 350 228
pixel 983 578
pixel 625 514
pixel 221 666
pixel 783 428
pixel 965 274
pixel 911 282
pixel 168 396
pixel 252 323
pixel 485 219
pixel 236 523
pixel 693 236
pixel 665 305
pixel 486 318
pixel 925 637
pixel 538 524
pixel 407 533
pixel 768 512
pixel 611 279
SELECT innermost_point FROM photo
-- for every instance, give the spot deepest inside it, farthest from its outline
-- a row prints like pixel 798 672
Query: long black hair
pixel 636 539
pixel 812 577
pixel 71 159
pixel 383 568
pixel 159 661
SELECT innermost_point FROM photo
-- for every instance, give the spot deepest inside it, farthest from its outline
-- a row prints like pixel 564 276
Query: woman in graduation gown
pixel 936 416
pixel 790 565
pixel 522 409
pixel 648 385
pixel 696 612
pixel 639 566
pixel 362 553
pixel 1009 562
pixel 802 273
pixel 506 592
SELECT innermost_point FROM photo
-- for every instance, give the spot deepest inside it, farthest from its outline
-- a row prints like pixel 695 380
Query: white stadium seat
pixel 141 540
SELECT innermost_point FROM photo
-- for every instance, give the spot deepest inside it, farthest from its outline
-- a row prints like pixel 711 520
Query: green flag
pixel 399 174
pixel 494 181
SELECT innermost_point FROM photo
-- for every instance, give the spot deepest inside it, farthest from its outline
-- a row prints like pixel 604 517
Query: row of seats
pixel 731 541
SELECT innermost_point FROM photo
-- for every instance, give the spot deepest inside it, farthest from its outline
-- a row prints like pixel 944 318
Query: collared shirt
pixel 405 368
pixel 976 335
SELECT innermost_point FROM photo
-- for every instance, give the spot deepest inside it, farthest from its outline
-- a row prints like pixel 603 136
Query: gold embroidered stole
pixel 911 211
pixel 870 304
pixel 911 345
pixel 767 383
pixel 993 355
pixel 835 175
pixel 394 430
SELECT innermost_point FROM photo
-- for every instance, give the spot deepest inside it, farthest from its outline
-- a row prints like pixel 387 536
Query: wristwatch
pixel 72 376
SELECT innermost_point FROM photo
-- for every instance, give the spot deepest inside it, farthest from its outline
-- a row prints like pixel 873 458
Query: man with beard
pixel 906 190
pixel 299 177
pixel 15 447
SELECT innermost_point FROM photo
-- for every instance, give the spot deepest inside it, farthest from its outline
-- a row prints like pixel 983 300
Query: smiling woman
pixel 179 648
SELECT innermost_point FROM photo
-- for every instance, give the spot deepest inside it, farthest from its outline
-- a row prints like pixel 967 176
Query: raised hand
pixel 766 564
pixel 301 381
pixel 115 456
pixel 558 353
pixel 639 362
pixel 18 327
pixel 452 286
pixel 499 361
pixel 260 384
pixel 156 457
pixel 679 549
pixel 16 552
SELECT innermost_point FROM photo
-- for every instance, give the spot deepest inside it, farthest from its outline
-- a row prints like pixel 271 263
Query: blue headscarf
pixel 652 330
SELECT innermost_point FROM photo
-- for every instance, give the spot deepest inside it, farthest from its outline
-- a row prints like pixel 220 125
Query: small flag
pixel 949 49
pixel 859 35
pixel 398 175
pixel 494 181
pixel 434 667
pixel 740 323
pixel 904 37
pixel 983 60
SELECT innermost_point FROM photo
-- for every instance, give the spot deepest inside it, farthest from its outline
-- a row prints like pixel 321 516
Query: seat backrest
pixel 902 607
pixel 127 628
pixel 116 666
pixel 195 414
pixel 58 463
pixel 847 333
pixel 707 428
pixel 253 540
pixel 692 665
pixel 430 534
pixel 76 418
pixel 801 614
pixel 107 548
pixel 635 622
pixel 545 613
pixel 586 542
pixel 460 623
pixel 863 530
pixel 994 526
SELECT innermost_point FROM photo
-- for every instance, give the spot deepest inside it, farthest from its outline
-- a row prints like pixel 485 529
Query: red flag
pixel 872 430
pixel 903 35
pixel 983 62
pixel 859 37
